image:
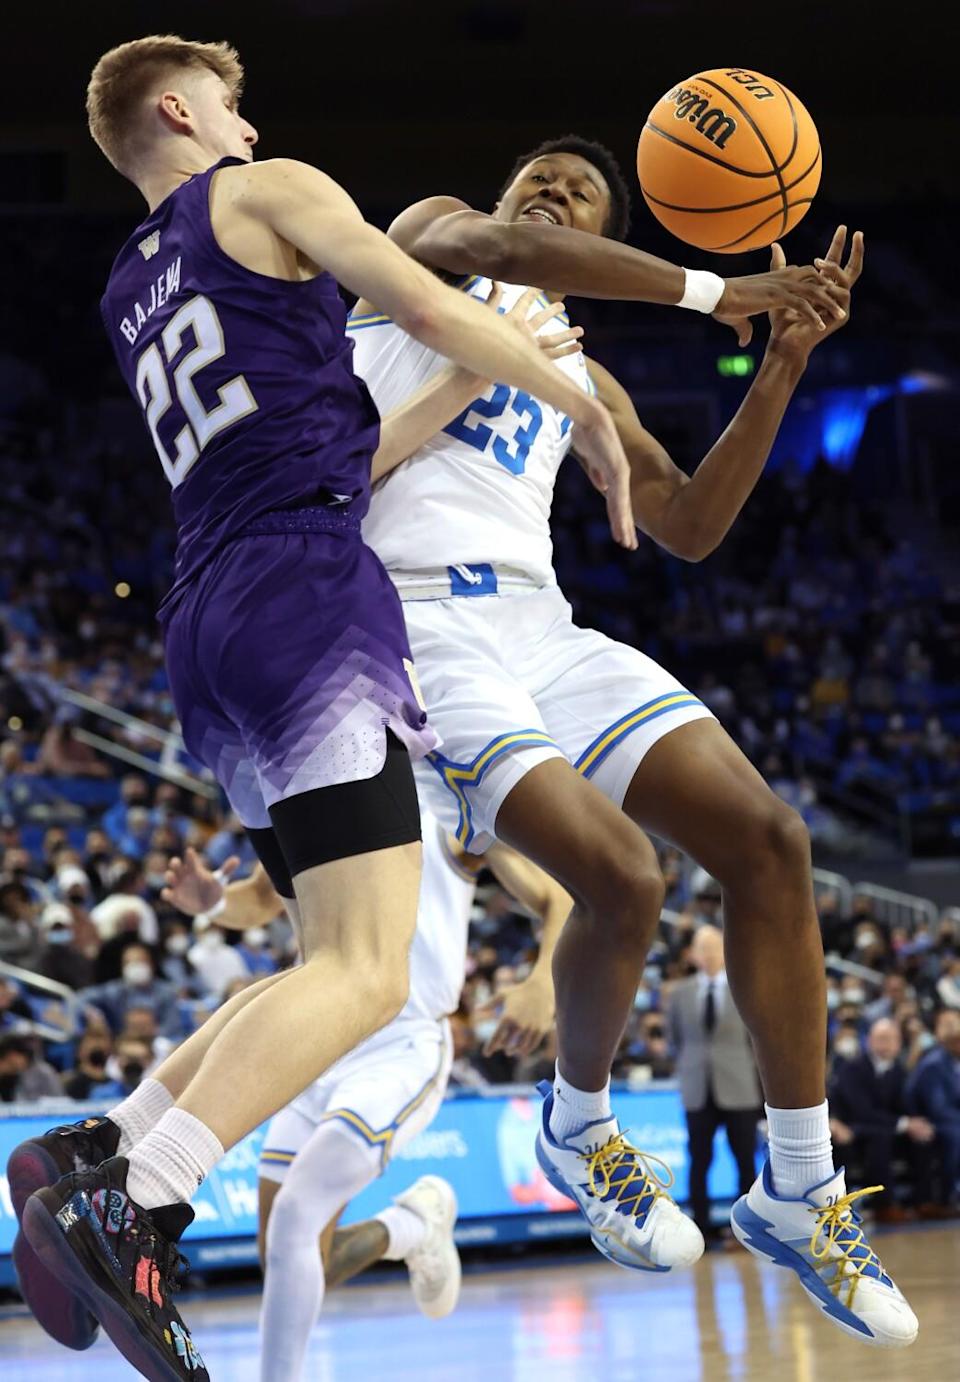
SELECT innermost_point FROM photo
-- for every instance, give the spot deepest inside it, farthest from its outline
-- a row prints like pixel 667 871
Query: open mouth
pixel 544 214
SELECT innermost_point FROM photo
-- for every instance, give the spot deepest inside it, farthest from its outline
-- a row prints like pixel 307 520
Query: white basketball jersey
pixel 439 950
pixel 480 491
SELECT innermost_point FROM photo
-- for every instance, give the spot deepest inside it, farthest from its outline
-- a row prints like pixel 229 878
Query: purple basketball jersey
pixel 246 381
pixel 286 647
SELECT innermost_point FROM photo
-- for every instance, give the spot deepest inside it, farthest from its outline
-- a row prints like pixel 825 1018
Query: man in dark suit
pixel 933 1092
pixel 868 1103
pixel 715 1066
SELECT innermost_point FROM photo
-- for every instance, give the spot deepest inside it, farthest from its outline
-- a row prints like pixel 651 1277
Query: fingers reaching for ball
pixel 830 266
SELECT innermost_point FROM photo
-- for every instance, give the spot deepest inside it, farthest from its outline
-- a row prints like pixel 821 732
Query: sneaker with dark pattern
pixel 122 1262
pixel 33 1165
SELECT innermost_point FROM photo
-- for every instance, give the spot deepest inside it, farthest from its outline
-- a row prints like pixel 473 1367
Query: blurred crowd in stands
pixel 828 647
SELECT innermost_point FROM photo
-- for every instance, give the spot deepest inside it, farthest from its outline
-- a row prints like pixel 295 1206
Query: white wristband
pixel 702 290
pixel 217 908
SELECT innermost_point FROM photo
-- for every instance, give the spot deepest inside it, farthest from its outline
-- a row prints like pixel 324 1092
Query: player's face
pixel 217 121
pixel 558 189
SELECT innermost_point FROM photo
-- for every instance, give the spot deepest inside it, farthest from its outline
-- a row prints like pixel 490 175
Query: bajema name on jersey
pixel 166 283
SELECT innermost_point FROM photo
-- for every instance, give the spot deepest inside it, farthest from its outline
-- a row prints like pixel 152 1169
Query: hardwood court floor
pixel 728 1320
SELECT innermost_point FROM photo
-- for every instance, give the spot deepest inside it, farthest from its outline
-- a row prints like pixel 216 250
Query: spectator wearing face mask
pixel 174 964
pixel 134 791
pixel 131 1061
pixel 868 1104
pixel 122 917
pixel 134 837
pixel 869 945
pixel 24 1078
pixel 138 987
pixel 254 949
pixel 60 959
pixel 845 1044
pixel 215 962
pixel 89 1079
pixel 73 885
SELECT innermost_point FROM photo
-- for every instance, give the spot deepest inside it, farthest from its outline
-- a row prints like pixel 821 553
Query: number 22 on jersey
pixel 235 401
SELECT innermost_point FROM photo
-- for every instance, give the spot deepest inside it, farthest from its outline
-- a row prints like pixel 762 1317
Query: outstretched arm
pixel 445 233
pixel 690 515
pixel 526 1012
pixel 315 215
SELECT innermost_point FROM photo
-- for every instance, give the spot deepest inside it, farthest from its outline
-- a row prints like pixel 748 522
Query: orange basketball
pixel 729 160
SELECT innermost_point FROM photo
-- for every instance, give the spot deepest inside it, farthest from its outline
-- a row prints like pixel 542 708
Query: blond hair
pixel 124 77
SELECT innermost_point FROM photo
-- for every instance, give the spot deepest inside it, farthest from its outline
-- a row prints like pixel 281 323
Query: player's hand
pixel 556 344
pixel 600 452
pixel 791 334
pixel 526 1015
pixel 804 289
pixel 192 887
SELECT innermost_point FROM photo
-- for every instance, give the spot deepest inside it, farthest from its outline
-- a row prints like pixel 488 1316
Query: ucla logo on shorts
pixel 473 580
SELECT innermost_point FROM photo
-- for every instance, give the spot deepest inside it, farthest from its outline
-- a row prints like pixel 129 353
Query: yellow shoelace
pixel 833 1220
pixel 603 1164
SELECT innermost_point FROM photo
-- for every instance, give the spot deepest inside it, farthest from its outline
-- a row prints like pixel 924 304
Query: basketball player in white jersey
pixel 568 746
pixel 336 1137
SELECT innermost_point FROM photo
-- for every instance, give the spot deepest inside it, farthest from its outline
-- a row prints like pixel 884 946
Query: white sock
pixel 168 1165
pixel 573 1108
pixel 801 1152
pixel 332 1167
pixel 139 1112
pixel 405 1231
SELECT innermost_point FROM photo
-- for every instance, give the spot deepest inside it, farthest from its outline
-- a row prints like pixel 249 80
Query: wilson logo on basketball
pixel 709 120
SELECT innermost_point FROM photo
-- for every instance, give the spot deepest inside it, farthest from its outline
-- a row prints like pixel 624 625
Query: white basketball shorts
pixel 385 1091
pixel 509 681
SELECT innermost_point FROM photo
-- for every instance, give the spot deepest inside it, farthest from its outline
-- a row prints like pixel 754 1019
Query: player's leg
pixel 355 958
pixel 610 868
pixel 358 919
pixel 565 825
pixel 376 1099
pixel 76 1147
pixel 327 1172
pixel 695 788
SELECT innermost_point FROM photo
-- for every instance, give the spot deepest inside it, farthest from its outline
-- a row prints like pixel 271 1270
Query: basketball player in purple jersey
pixel 285 643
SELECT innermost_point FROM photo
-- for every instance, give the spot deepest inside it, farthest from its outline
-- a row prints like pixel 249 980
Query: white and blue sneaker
pixel 820 1237
pixel 633 1221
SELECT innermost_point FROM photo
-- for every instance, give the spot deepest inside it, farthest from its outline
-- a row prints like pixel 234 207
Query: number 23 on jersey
pixel 510 452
